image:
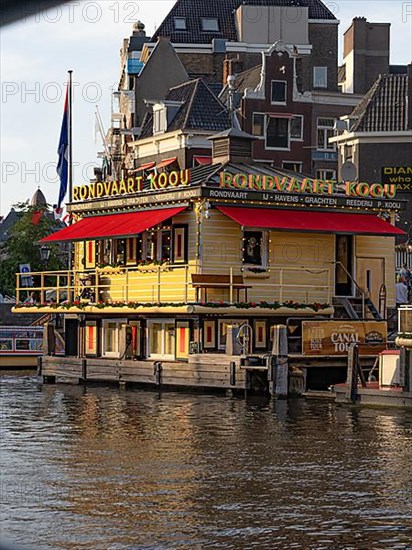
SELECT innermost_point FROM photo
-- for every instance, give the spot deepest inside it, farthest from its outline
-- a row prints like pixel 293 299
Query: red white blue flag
pixel 63 151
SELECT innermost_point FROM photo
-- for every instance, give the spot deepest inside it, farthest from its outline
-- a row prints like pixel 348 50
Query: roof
pixel 194 10
pixel 384 107
pixel 246 79
pixel 200 110
pixel 7 224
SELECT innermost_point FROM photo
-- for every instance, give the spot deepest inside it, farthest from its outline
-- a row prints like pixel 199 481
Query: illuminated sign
pixel 401 176
pixel 131 185
pixel 259 182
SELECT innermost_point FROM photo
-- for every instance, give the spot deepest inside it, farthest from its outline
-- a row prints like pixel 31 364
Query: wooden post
pixel 232 373
pixel 158 284
pixel 186 283
pixel 281 285
pixel 231 285
pixel 127 285
pixel 83 379
pixel 352 374
pixel 42 293
pixel 280 353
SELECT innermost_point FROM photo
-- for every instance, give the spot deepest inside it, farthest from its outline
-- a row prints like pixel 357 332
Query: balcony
pixel 169 288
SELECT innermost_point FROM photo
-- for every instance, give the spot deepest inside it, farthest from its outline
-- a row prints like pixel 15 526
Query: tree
pixel 23 247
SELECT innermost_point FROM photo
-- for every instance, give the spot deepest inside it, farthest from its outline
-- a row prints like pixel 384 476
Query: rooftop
pixel 193 11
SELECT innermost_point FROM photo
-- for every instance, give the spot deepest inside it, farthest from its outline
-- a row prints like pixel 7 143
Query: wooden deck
pixel 202 371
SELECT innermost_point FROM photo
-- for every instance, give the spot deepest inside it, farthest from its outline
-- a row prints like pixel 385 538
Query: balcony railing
pixel 172 284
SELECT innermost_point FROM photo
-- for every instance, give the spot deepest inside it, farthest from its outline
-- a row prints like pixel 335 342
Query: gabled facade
pixel 377 138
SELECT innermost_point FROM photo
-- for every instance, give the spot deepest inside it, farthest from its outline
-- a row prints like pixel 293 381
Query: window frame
pixel 299 162
pixel 270 147
pixel 302 118
pixel 180 18
pixel 262 135
pixel 203 20
pixel 220 344
pixel 162 355
pixel 325 129
pixel 324 69
pixel 326 170
pixel 264 248
pixel 105 322
pixel 275 102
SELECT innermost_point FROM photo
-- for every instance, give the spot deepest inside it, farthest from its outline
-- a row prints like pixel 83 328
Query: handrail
pixel 361 291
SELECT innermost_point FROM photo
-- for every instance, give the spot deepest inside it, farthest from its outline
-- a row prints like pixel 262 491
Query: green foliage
pixel 23 245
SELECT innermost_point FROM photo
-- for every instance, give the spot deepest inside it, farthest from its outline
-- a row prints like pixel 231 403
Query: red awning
pixel 146 166
pixel 316 222
pixel 114 225
pixel 203 160
pixel 166 162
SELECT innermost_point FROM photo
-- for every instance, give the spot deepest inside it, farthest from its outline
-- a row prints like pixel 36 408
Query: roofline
pixel 370 135
pixel 194 47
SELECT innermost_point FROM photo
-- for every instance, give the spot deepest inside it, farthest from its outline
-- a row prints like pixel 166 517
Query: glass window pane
pixel 252 247
pixel 258 124
pixel 277 133
pixel 155 338
pixel 169 335
pixel 278 91
pixel 110 344
pixel 296 127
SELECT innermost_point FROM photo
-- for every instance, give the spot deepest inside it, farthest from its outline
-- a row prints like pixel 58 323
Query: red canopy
pixel 317 222
pixel 203 160
pixel 114 225
pixel 166 162
pixel 142 167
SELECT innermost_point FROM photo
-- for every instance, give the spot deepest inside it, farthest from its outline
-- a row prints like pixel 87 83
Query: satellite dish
pixel 349 171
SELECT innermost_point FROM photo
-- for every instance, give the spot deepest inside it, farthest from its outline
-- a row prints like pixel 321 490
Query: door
pixel 162 339
pixel 71 337
pixel 344 265
pixel 370 275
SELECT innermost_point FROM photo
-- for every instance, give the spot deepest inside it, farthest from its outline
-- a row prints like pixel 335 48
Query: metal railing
pixel 172 284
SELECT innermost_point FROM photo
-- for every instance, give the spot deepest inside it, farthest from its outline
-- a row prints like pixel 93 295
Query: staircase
pixel 352 308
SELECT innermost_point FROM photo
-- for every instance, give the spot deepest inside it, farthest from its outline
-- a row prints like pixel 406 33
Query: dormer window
pixel 180 24
pixel 210 24
pixel 159 119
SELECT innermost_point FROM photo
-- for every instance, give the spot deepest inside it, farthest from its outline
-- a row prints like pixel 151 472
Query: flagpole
pixel 70 160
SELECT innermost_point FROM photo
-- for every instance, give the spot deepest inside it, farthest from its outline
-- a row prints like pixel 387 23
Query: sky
pixel 86 37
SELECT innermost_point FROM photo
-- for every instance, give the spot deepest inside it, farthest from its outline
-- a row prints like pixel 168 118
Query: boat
pixel 20 346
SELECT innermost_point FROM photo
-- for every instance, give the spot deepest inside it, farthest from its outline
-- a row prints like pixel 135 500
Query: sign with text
pixel 333 338
pixel 401 176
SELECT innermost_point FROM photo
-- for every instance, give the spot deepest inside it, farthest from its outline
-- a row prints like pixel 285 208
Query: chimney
pixel 231 67
pixel 365 53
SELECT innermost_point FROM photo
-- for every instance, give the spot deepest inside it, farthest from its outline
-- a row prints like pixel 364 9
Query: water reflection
pixel 102 468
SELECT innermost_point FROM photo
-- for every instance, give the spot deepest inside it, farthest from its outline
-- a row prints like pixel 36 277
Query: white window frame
pixel 264 249
pixel 163 322
pixel 329 146
pixel 324 78
pixel 206 20
pixel 159 237
pixel 118 322
pixel 271 92
pixel 159 119
pixel 333 178
pixel 292 162
pixel 269 147
pixel 301 128
pixel 260 136
pixel 183 19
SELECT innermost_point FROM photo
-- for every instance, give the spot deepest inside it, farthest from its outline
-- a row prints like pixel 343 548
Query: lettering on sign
pixel 260 182
pixel 335 337
pixel 132 185
pixel 399 175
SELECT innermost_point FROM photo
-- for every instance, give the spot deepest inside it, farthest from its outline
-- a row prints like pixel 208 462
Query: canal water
pixel 101 468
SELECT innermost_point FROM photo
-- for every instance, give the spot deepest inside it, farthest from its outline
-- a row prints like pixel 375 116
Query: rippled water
pixel 101 468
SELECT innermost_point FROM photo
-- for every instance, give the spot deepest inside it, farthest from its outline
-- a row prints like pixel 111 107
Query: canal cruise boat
pixel 181 277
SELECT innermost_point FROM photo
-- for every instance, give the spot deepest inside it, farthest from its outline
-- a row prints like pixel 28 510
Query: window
pixel 111 329
pixel 320 77
pixel 292 166
pixel 161 339
pixel 210 24
pixel 278 91
pixel 157 245
pixel 326 175
pixel 325 131
pixel 258 124
pixel 296 128
pixel 277 133
pixel 180 23
pixel 180 244
pixel 255 248
pixel 159 119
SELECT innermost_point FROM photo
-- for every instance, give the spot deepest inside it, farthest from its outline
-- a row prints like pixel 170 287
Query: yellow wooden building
pixel 167 259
